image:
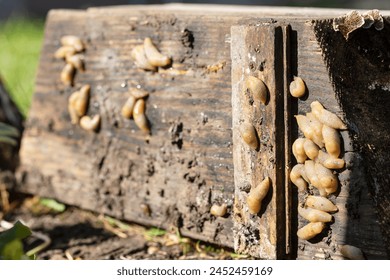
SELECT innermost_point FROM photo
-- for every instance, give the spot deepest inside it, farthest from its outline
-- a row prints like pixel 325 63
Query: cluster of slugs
pixel 146 57
pixel 317 154
pixel 78 101
pixel 134 108
pixel 258 92
pixel 314 165
pixel 70 51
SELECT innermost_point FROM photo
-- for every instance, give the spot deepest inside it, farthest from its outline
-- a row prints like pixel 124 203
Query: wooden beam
pixel 259 51
pixel 172 178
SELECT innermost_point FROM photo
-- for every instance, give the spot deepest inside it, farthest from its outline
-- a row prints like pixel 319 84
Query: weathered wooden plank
pixel 359 71
pixel 186 165
pixel 183 168
pixel 258 51
pixel 356 222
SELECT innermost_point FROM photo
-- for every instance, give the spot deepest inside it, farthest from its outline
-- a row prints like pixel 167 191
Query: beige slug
pixel 218 210
pixel 64 51
pixel 139 116
pixel 73 41
pixel 297 87
pixel 311 174
pixel 310 230
pixel 76 60
pixel 314 215
pixel 127 109
pixel 311 149
pixel 256 196
pixel 321 203
pixel 81 104
pixel 74 116
pixel 326 177
pixel 297 177
pixel 90 124
pixel 257 88
pixel 78 103
pixel 67 74
pixel 154 57
pixel 330 162
pixel 306 127
pixel 316 125
pixel 298 150
pixel 326 117
pixel 332 140
pixel 139 57
pixel 249 135
pixel 351 252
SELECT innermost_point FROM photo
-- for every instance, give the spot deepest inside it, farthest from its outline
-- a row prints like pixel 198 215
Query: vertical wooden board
pixel 258 51
pixel 356 222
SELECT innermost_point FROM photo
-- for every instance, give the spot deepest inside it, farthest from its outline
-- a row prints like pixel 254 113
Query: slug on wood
pixel 314 215
pixel 127 109
pixel 76 60
pixel 67 74
pixel 311 174
pixel 326 117
pixel 82 101
pixel 218 210
pixel 321 203
pixel 256 196
pixel 73 41
pixel 74 116
pixel 351 252
pixel 316 125
pixel 327 179
pixel 64 51
pixel 297 87
pixel 310 230
pixel 257 88
pixel 154 57
pixel 249 135
pixel 330 162
pixel 90 124
pixel 297 177
pixel 78 103
pixel 139 56
pixel 311 149
pixel 139 116
pixel 332 140
pixel 298 150
pixel 305 126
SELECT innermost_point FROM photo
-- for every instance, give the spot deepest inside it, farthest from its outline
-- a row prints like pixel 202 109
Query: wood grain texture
pixel 258 51
pixel 186 165
pixel 179 171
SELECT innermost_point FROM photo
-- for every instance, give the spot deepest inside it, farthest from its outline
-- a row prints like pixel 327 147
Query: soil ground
pixel 78 234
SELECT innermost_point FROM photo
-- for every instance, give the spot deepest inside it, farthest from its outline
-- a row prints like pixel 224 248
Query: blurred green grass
pixel 20 45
